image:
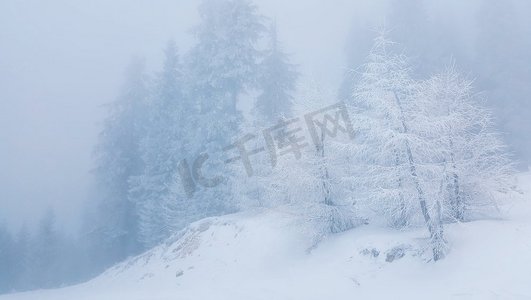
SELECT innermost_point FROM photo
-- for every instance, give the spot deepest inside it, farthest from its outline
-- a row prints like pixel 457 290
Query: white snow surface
pixel 268 255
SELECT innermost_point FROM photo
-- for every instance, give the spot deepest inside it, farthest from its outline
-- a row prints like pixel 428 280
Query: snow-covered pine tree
pixel 156 192
pixel 391 177
pixel 277 82
pixel 224 62
pixel 114 226
pixel 222 66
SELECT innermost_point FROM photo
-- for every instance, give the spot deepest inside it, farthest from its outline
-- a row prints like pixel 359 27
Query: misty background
pixel 62 62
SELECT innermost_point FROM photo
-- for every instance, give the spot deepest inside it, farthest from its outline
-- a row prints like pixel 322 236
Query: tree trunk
pixel 324 171
pixel 401 220
pixel 435 227
pixel 456 200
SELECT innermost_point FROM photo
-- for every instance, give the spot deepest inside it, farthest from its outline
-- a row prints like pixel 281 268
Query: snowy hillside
pixel 269 255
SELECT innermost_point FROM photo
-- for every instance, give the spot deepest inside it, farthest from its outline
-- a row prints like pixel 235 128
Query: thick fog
pixel 63 62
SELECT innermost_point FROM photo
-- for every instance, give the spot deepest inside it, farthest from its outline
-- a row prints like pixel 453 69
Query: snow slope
pixel 269 255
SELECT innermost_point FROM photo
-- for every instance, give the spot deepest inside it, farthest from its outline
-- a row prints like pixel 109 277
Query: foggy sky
pixel 62 60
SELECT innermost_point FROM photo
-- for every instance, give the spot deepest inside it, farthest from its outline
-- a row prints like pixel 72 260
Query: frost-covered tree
pixel 298 183
pixel 114 225
pixel 449 114
pixel 377 117
pixel 305 177
pixel 475 161
pixel 277 82
pixel 330 163
pixel 391 155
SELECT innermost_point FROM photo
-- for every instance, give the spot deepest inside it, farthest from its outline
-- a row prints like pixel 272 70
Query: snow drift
pixel 271 255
